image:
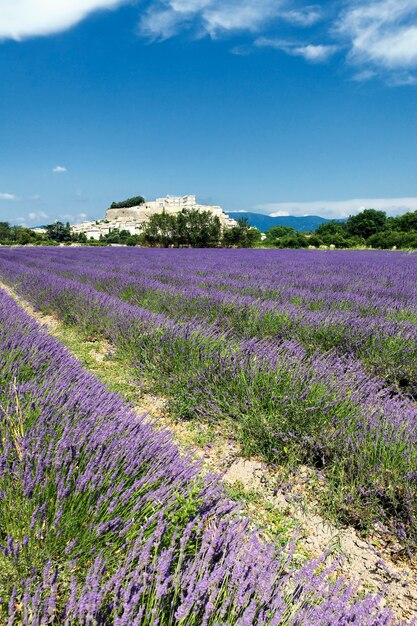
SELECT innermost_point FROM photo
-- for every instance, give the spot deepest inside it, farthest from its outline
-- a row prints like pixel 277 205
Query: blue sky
pixel 273 106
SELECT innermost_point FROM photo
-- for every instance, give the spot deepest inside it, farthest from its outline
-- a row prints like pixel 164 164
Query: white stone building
pixel 132 218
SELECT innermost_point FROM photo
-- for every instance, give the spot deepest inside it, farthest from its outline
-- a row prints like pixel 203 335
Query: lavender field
pixel 309 357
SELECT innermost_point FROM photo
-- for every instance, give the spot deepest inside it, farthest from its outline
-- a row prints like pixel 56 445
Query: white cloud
pixel 314 53
pixel 35 215
pixel 7 196
pixel 381 33
pixel 20 19
pixel 310 52
pixel 82 215
pixel 379 37
pixel 338 208
pixel 306 16
pixel 364 75
pixel 165 18
pixel 59 169
pixel 280 214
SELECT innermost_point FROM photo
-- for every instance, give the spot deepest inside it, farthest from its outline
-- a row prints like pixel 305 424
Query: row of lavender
pixel 103 522
pixel 284 402
pixel 362 303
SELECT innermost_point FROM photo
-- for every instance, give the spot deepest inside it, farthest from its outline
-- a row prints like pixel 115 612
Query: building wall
pixel 132 218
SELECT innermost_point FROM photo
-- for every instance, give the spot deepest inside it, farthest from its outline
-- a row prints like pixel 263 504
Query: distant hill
pixel 265 222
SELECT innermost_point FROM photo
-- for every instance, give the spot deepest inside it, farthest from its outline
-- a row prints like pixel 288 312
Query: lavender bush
pixel 363 303
pixel 285 400
pixel 102 521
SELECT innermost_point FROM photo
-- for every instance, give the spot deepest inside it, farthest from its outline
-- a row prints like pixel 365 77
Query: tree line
pixel 187 229
pixel 201 229
pixel 129 202
pixel 369 228
pixel 197 229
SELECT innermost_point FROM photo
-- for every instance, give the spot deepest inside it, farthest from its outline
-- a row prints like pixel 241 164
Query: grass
pixel 116 373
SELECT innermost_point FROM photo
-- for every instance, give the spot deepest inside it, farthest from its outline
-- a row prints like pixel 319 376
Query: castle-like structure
pixel 133 218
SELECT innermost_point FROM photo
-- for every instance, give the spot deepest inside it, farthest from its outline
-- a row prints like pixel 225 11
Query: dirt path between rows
pixel 370 562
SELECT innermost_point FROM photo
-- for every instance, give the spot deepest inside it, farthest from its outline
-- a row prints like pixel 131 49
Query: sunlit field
pixel 308 357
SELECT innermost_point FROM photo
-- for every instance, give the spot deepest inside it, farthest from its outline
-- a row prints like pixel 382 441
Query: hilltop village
pixel 133 218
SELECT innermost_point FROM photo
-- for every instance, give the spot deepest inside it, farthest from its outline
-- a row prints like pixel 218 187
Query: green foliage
pixel 188 228
pixel 125 204
pixel 403 223
pixel 275 234
pixel 371 228
pixel 242 235
pixel 331 229
pixel 160 229
pixel 390 239
pixel 122 237
pixel 4 230
pixel 279 231
pixel 20 235
pixel 293 240
pixel 59 232
pixel 366 223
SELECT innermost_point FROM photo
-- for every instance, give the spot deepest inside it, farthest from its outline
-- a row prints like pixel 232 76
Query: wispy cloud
pixel 164 18
pixel 36 215
pixel 72 218
pixel 314 53
pixel 338 208
pixel 305 16
pixel 380 33
pixel 20 19
pixel 59 169
pixel 377 37
pixel 7 196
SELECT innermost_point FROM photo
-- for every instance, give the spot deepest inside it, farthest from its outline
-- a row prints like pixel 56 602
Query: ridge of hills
pixel 265 222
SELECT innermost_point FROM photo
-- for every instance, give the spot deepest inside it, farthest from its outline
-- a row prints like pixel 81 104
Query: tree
pixel 393 238
pixel 294 240
pixel 159 230
pixel 188 228
pixel 129 202
pixel 404 223
pixel 242 235
pixel 366 223
pixel 59 232
pixel 24 236
pixel 20 235
pixel 330 229
pixel 274 234
pixel 112 237
pixel 4 231
pixel 197 229
pixel 133 240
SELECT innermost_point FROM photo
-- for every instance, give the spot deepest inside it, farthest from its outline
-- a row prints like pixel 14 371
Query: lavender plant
pixel 102 521
pixel 286 400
